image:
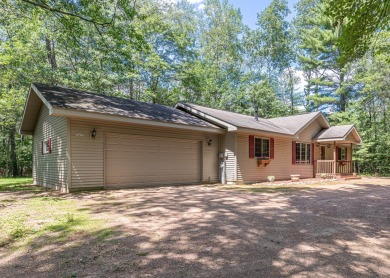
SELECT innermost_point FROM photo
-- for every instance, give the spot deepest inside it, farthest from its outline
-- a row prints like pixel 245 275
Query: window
pixel 46 147
pixel 262 148
pixel 303 153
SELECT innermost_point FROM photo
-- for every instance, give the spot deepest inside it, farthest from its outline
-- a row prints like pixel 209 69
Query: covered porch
pixel 333 152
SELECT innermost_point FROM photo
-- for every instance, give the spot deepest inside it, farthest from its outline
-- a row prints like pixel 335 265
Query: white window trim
pixel 269 146
pixel 307 160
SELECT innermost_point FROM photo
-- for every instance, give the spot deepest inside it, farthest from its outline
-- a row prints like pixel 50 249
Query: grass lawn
pixel 16 184
pixel 29 212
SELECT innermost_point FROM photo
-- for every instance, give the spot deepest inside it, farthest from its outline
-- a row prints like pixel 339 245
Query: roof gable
pixel 337 133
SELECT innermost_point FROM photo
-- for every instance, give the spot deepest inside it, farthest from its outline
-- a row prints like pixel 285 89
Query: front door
pixel 323 152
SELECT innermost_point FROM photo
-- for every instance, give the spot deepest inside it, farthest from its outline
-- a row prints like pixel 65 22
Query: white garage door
pixel 132 160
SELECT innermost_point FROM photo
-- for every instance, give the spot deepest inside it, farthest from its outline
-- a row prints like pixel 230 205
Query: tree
pixel 221 50
pixel 326 76
pixel 362 20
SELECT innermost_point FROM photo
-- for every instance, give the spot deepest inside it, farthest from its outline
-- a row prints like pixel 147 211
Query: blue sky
pixel 250 8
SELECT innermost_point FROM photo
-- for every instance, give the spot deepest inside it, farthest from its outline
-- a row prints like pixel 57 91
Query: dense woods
pixel 332 57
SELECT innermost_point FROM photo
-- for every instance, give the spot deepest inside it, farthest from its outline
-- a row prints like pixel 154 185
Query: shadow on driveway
pixel 197 231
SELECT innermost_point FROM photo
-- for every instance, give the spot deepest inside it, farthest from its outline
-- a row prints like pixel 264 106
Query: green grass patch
pixel 18 184
pixel 24 221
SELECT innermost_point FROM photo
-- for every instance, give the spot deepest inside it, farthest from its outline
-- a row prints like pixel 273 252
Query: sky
pixel 250 8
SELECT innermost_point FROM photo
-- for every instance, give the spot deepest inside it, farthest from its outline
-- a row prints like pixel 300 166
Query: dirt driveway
pixel 335 230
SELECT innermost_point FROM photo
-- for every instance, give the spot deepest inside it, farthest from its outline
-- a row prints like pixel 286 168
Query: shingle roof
pixel 334 132
pixel 85 101
pixel 296 122
pixel 285 125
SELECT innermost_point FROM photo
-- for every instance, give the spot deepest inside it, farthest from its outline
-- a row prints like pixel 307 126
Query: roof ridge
pixel 306 113
pixel 281 117
pixel 223 110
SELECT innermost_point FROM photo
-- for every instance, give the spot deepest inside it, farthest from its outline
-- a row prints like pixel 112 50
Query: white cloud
pixel 195 1
pixel 201 6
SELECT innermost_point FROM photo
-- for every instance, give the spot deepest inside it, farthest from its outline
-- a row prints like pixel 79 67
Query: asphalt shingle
pixel 334 132
pixel 85 101
pixel 285 125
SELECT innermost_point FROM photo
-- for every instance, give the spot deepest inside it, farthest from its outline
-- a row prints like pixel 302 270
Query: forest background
pixel 333 56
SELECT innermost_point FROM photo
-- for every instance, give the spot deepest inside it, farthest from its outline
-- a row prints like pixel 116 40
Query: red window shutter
pixel 49 143
pixel 272 148
pixel 294 152
pixel 251 146
pixel 312 153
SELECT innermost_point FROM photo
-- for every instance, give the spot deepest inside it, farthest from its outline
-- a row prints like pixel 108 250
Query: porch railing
pixel 330 168
pixel 325 168
pixel 344 167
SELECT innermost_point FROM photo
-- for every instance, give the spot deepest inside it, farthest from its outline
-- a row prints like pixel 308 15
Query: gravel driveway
pixel 338 230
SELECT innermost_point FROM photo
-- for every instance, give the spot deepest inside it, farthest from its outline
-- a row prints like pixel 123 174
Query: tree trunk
pixel 131 88
pixel 14 161
pixel 51 55
pixel 342 93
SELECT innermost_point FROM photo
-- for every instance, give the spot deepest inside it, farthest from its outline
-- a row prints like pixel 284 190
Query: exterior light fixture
pixel 209 142
pixel 93 133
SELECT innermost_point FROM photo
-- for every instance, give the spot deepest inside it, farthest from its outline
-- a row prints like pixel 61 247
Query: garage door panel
pixel 136 160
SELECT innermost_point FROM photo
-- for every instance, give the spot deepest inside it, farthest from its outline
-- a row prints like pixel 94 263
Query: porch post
pixel 334 159
pixel 352 168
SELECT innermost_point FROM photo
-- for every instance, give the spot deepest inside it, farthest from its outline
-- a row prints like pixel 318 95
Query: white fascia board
pixel 49 106
pixel 32 90
pixel 353 129
pixel 206 117
pixel 69 113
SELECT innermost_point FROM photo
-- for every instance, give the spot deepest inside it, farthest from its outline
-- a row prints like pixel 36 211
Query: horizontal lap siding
pixel 281 166
pixel 230 144
pixel 50 169
pixel 88 154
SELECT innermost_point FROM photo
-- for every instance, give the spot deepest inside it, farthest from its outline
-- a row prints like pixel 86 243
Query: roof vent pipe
pixel 256 113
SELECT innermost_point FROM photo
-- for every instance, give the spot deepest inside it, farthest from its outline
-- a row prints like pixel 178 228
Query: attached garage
pixel 133 160
pixel 85 141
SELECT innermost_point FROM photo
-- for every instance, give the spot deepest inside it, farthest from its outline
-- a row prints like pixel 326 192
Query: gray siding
pixel 229 143
pixel 50 170
pixel 87 163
